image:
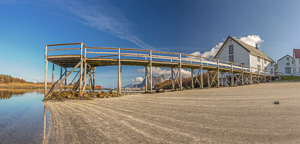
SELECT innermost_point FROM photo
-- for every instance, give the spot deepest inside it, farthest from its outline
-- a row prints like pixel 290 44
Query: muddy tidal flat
pixel 244 114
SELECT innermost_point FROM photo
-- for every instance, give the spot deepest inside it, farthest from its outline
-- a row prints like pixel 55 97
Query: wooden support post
pixel 232 76
pixel 53 66
pixel 172 77
pixel 222 78
pixel 119 72
pixel 192 75
pixel 201 74
pixel 150 67
pixel 180 74
pixel 46 71
pixel 242 78
pixel 81 68
pixel 61 77
pixel 66 79
pixel 218 77
pixel 146 78
pixel 258 77
pixel 251 78
pixel 208 82
pixel 94 69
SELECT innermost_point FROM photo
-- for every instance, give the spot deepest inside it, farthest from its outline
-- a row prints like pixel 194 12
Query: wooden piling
pixel 46 71
pixel 192 76
pixel 81 68
pixel 180 74
pixel 208 82
pixel 172 78
pixel 150 67
pixel 232 76
pixel 146 78
pixel 119 71
pixel 201 74
pixel 218 77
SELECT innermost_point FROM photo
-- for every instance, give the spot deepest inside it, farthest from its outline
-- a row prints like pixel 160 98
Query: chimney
pixel 257 46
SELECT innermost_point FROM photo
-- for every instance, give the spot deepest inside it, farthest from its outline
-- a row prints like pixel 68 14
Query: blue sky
pixel 180 26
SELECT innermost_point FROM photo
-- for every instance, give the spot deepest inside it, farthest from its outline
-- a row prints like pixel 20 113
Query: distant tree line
pixel 9 79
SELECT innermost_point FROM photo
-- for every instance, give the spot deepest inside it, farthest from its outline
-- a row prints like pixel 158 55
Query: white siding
pixel 282 64
pixel 240 54
pixel 296 67
pixel 268 65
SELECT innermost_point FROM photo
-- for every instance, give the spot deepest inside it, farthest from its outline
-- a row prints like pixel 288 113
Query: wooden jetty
pixel 78 56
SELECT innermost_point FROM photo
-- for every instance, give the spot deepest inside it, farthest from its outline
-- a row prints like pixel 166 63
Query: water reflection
pixel 23 116
pixel 8 93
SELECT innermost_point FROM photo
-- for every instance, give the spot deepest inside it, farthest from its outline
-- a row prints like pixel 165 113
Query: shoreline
pixel 243 114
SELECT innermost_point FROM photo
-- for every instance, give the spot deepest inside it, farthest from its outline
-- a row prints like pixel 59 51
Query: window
pixel 258 67
pixel 287 58
pixel 265 61
pixel 258 59
pixel 271 64
pixel 287 64
pixel 230 49
pixel 271 71
pixel 288 70
pixel 231 58
pixel 299 69
pixel 265 68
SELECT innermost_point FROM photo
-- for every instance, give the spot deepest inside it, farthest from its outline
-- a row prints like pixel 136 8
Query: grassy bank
pixel 290 78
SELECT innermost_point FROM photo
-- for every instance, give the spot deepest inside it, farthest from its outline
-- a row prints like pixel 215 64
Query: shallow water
pixel 21 116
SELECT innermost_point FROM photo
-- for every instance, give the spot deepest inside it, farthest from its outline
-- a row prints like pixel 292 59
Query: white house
pixel 285 65
pixel 236 51
pixel 296 65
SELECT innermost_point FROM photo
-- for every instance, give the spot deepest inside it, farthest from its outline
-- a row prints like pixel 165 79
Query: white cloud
pixel 250 40
pixel 137 80
pixel 166 72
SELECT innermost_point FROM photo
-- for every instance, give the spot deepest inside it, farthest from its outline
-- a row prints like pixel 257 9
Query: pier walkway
pixel 78 56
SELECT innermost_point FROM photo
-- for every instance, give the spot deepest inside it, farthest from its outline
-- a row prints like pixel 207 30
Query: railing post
pixel 150 67
pixel 180 74
pixel 119 72
pixel 46 70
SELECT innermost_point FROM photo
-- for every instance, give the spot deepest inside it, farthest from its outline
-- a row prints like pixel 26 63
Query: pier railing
pixel 141 54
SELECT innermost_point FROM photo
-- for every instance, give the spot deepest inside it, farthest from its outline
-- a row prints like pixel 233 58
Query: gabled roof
pixel 252 50
pixel 297 53
pixel 284 57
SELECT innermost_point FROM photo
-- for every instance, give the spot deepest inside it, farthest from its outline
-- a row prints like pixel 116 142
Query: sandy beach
pixel 244 114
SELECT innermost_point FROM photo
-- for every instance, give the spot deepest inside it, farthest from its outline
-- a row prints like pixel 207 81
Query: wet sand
pixel 244 114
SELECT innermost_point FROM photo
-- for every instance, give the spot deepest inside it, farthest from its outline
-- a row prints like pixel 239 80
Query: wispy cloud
pixel 104 17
